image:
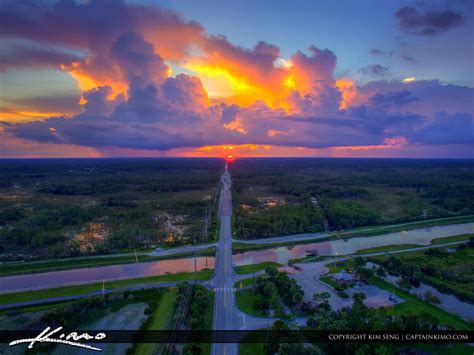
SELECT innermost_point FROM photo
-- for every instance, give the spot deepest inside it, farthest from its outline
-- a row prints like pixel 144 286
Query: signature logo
pixel 70 339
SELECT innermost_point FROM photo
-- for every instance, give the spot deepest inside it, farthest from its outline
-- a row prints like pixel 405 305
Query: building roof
pixel 343 276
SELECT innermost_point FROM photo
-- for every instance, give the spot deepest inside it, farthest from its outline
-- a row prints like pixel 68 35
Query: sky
pixel 200 78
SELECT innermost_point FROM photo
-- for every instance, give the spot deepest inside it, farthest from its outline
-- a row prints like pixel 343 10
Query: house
pixel 343 276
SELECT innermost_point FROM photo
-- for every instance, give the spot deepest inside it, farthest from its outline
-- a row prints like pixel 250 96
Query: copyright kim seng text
pixel 398 336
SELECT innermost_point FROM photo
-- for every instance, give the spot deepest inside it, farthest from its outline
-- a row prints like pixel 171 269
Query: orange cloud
pixel 236 125
pixel 348 90
pixel 240 150
pixel 274 132
pixel 389 143
pixel 26 116
pixel 88 80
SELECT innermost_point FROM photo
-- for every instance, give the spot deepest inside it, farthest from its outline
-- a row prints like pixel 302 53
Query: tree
pixel 381 271
pixel 272 346
pixel 297 298
pixel 280 311
pixel 358 297
pixel 364 273
pixel 359 261
pixel 271 271
pixel 325 296
pixel 429 297
pixel 317 297
pixel 312 323
pixel 403 283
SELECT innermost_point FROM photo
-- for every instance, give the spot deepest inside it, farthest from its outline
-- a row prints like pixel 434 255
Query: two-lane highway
pixel 225 315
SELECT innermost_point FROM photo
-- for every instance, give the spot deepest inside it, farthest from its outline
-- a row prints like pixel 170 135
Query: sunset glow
pixel 159 81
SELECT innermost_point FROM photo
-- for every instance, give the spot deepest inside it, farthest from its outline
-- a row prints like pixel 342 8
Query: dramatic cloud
pixel 431 23
pixel 95 27
pixel 247 97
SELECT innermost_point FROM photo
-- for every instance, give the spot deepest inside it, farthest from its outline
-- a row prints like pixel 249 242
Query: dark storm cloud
pixel 408 59
pixel 393 99
pixel 430 23
pixel 22 54
pixel 159 118
pixel 58 103
pixel 376 71
pixel 446 129
pixel 376 52
pixel 137 60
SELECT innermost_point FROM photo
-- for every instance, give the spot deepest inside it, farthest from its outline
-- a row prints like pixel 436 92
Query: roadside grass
pixel 329 281
pixel 159 320
pixel 309 259
pixel 245 282
pixel 251 349
pixel 340 265
pixel 248 269
pixel 10 269
pixel 238 247
pixel 367 231
pixel 454 238
pixel 244 301
pixel 387 248
pixel 7 298
pixel 414 305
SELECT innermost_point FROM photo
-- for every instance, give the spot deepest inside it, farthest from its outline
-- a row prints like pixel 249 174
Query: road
pixel 95 293
pixel 225 315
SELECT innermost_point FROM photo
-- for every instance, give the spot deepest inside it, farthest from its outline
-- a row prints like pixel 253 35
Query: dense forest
pixel 67 207
pixel 275 197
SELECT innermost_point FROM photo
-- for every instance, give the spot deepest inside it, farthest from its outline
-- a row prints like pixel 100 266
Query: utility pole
pixel 206 224
pixel 195 262
pixel 253 271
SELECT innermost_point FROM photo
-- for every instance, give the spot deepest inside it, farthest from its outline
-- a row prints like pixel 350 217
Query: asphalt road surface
pixel 225 315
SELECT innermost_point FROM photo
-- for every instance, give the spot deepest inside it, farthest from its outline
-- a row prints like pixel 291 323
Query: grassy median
pixel 248 269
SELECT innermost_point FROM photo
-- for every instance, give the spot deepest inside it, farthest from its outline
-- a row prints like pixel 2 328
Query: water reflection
pixel 281 254
pixel 99 274
pixel 422 236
